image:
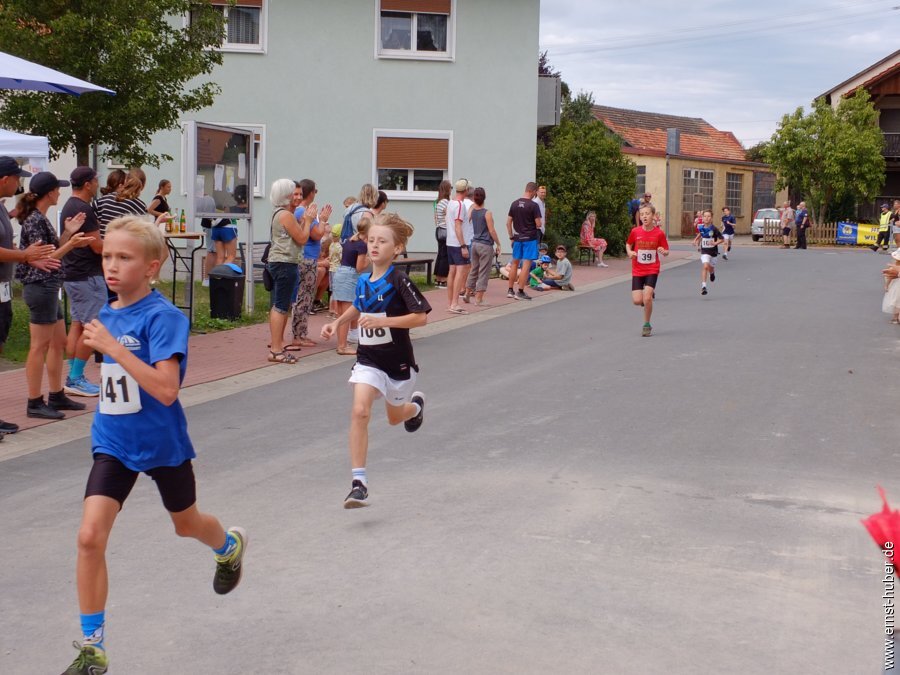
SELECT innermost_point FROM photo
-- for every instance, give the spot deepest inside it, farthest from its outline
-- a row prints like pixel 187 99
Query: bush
pixel 584 170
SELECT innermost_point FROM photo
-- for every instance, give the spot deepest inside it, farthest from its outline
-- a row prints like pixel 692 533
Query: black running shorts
pixel 638 283
pixel 110 478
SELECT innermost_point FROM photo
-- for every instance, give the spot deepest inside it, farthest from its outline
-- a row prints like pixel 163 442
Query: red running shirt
pixel 645 244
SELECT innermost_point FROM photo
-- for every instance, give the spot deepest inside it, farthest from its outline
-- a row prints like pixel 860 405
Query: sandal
pixel 292 348
pixel 457 310
pixel 282 357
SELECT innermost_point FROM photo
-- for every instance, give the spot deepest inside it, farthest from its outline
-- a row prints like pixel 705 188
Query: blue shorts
pixel 525 250
pixel 86 298
pixel 223 233
pixel 455 256
pixel 285 282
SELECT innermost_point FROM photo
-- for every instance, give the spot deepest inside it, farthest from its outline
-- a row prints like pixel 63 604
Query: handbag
pixel 440 233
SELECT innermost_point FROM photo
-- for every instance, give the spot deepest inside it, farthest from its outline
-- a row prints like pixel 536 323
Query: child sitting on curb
pixel 561 277
pixel 536 276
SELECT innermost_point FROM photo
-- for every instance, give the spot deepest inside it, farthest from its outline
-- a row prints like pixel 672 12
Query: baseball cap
pixel 462 185
pixel 543 247
pixel 82 175
pixel 45 182
pixel 545 259
pixel 885 206
pixel 336 229
pixel 10 167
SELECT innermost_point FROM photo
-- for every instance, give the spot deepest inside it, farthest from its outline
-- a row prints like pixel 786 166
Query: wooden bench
pixel 586 255
pixel 407 263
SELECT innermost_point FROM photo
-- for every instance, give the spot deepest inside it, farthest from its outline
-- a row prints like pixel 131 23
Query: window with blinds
pixel 411 164
pixel 244 25
pixel 416 28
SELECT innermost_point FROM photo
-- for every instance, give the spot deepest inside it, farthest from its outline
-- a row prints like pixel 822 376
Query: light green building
pixel 399 93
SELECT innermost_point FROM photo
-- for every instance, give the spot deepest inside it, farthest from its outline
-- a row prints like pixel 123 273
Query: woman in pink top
pixel 588 238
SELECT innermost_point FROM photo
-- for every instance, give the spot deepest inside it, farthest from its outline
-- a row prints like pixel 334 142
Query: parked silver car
pixel 756 227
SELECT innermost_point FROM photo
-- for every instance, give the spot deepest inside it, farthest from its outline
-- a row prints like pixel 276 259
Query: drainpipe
pixel 667 196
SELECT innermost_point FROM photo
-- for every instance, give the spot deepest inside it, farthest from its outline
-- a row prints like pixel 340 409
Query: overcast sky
pixel 738 65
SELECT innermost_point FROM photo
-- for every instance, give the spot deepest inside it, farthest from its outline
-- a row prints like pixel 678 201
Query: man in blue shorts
pixel 82 278
pixel 523 222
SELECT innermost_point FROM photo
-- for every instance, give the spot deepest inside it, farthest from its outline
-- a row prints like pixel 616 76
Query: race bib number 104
pixel 119 393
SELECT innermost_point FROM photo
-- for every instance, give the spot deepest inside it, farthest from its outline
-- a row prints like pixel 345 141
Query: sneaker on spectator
pixel 81 387
pixel 522 295
pixel 511 294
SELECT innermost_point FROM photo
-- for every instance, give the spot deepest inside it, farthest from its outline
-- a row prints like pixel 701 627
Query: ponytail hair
pixel 26 205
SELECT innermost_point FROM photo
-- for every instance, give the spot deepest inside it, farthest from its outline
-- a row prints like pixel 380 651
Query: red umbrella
pixel 884 527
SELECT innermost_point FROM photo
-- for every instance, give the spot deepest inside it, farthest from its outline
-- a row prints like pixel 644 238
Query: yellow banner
pixel 866 235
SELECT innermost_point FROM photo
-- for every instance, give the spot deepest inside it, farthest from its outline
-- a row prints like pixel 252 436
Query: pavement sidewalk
pixel 215 356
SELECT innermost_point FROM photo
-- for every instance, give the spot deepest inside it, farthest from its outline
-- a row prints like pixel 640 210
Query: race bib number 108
pixel 374 336
pixel 119 393
pixel 709 242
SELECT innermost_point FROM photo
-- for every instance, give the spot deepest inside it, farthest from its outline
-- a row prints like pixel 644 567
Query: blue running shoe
pixel 81 387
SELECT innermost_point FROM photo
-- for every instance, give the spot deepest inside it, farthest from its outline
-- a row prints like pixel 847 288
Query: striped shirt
pixel 440 213
pixel 108 208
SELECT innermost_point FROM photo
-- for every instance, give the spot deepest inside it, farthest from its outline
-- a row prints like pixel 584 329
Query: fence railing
pixel 891 145
pixel 825 233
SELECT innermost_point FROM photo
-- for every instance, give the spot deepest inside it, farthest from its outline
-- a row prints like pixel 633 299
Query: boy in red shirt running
pixel 644 246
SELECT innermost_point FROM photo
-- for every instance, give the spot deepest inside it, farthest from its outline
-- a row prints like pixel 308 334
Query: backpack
pixel 347 226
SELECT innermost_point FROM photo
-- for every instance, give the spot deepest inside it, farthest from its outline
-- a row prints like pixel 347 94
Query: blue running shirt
pixel 388 349
pixel 131 425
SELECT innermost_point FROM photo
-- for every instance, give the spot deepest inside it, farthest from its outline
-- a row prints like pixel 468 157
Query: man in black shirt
pixel 523 222
pixel 82 278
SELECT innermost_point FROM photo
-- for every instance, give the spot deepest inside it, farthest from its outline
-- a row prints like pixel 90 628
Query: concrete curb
pixel 76 428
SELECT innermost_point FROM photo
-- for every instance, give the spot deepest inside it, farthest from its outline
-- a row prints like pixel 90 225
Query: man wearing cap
pixel 9 184
pixel 884 229
pixel 82 278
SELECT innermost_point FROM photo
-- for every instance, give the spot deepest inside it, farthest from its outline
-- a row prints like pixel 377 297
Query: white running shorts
pixel 727 237
pixel 395 392
pixel 708 259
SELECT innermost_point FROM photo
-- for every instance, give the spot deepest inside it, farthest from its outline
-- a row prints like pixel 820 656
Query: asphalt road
pixel 579 499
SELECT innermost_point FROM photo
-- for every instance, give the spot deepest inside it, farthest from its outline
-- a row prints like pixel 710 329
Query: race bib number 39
pixel 374 336
pixel 646 256
pixel 119 393
pixel 707 242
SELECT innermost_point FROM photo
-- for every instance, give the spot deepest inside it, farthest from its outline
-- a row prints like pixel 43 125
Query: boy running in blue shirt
pixel 728 223
pixel 139 426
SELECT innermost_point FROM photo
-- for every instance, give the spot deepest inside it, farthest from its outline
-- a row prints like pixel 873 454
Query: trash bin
pixel 226 291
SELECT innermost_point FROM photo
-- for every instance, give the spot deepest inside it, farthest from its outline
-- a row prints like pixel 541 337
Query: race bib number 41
pixel 374 336
pixel 646 256
pixel 119 393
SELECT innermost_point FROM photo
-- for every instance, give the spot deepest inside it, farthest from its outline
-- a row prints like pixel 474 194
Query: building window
pixel 259 156
pixel 641 184
pixel 698 190
pixel 419 29
pixel 411 164
pixel 734 192
pixel 244 25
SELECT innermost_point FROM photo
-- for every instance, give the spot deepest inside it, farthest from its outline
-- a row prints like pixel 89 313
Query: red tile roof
pixel 647 131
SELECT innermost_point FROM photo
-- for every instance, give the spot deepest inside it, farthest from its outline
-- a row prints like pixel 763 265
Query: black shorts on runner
pixel 638 283
pixel 110 478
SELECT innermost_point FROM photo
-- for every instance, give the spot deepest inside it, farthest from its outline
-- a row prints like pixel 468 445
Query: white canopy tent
pixel 33 150
pixel 16 73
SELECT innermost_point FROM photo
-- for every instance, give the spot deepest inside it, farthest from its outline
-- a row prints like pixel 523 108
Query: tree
pixel 137 48
pixel 757 153
pixel 830 155
pixel 585 170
